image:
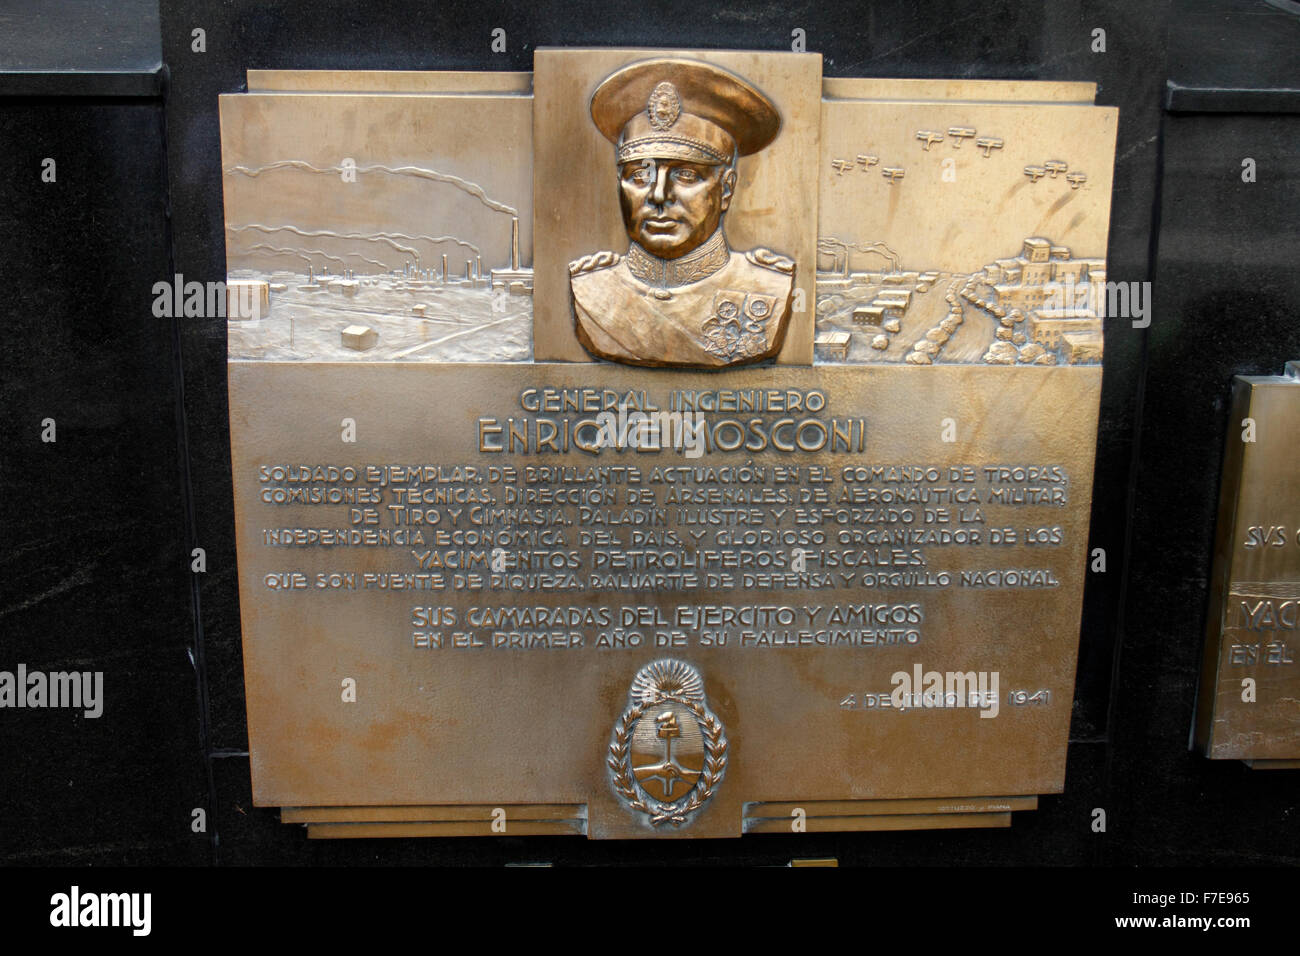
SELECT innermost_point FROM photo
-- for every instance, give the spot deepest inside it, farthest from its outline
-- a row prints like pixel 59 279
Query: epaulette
pixel 770 260
pixel 597 260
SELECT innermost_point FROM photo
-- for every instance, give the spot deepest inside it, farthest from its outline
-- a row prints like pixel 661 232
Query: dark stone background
pixel 93 567
pixel 98 527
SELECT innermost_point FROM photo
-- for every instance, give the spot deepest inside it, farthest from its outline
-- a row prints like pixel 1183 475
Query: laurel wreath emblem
pixel 620 761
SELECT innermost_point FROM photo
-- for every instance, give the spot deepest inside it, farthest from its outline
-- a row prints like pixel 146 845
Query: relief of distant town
pixel 1040 306
pixel 299 292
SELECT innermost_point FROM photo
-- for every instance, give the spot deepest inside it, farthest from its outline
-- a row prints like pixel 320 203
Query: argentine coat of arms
pixel 668 752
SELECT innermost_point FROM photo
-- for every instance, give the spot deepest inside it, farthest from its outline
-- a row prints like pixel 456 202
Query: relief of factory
pixel 418 250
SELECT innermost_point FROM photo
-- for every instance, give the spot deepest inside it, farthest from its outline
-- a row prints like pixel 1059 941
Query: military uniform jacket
pixel 634 309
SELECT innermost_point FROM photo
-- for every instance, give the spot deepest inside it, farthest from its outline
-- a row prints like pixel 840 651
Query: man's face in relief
pixel 669 206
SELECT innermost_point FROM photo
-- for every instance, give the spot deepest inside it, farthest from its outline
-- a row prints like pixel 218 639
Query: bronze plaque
pixel 527 616
pixel 1249 703
pixel 663 445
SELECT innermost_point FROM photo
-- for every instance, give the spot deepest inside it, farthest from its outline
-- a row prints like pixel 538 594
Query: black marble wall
pixel 1227 291
pixel 94 569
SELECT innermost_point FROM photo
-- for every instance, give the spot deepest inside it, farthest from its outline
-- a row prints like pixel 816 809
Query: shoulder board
pixel 770 260
pixel 597 260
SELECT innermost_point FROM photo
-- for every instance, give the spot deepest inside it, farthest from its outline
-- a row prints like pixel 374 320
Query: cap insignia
pixel 664 106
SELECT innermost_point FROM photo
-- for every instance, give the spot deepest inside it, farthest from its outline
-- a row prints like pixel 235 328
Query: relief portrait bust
pixel 681 296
